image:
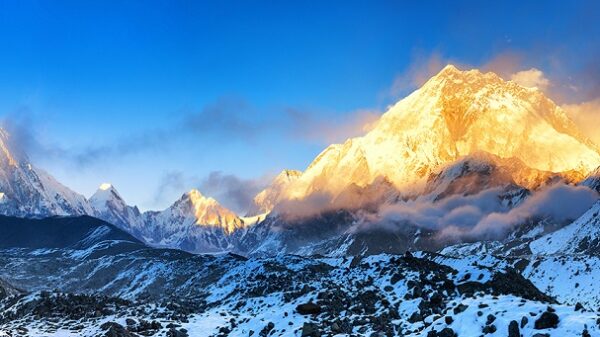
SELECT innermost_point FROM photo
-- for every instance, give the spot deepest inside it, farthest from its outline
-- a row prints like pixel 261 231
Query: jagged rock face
pixel 28 191
pixel 456 113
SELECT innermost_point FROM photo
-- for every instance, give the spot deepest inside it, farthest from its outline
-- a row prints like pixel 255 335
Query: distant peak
pixel 12 153
pixel 450 68
pixel 290 173
pixel 195 195
pixel 105 187
pixel 199 200
pixel 208 212
pixel 106 192
pixel 451 71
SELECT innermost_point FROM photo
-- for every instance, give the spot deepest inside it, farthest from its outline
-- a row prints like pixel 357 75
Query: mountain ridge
pixel 501 133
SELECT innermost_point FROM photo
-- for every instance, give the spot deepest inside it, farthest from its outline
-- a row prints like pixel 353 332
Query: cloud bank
pixel 483 215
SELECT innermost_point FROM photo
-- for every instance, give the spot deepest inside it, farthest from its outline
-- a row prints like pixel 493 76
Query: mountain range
pixel 462 133
pixel 470 208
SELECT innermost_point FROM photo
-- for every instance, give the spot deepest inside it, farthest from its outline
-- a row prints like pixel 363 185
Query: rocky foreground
pixel 381 295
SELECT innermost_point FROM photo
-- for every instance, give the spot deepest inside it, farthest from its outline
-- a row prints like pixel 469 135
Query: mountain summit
pixel 28 191
pixel 454 114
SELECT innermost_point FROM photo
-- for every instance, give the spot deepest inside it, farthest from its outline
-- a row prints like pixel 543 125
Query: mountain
pixel 333 255
pixel 28 191
pixel 266 199
pixel 461 134
pixel 194 223
pixel 58 232
pixel 110 206
pixel 481 170
pixel 504 184
pixel 454 114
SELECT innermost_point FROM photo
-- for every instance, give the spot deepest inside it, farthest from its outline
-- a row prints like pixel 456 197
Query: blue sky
pixel 158 97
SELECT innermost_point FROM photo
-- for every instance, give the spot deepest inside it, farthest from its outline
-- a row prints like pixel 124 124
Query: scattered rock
pixel 460 308
pixel 310 330
pixel 513 329
pixel 308 309
pixel 488 329
pixel 547 320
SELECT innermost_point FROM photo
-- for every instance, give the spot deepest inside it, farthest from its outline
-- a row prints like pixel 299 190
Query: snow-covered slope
pixel 28 191
pixel 593 180
pixel 159 292
pixel 581 236
pixel 456 113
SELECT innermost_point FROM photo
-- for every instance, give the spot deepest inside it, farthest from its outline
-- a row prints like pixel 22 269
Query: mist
pixel 483 216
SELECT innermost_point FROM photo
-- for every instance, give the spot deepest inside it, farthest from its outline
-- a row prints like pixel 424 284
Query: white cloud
pixel 482 215
pixel 532 78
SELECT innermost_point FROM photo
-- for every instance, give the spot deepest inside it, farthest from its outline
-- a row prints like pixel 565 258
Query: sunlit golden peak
pixel 454 114
pixel 208 212
pixel 4 139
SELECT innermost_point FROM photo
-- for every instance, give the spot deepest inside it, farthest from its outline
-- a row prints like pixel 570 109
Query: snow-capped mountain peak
pixel 208 212
pixel 28 191
pixel 110 206
pixel 454 114
pixel 105 192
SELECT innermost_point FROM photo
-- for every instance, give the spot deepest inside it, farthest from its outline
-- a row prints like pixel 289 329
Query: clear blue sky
pixel 153 96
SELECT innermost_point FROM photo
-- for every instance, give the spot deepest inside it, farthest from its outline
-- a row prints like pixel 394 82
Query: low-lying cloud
pixel 483 216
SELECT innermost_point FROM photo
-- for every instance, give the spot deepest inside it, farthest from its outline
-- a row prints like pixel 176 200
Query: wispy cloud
pixel 230 190
pixel 587 116
pixel 310 126
pixel 227 119
pixel 531 78
pixel 224 121
pixel 422 67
